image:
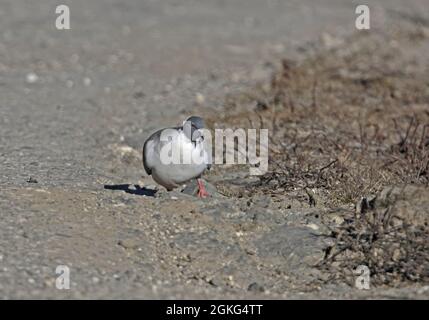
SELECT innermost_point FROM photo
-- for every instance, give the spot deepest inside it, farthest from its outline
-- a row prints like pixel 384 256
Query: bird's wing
pixel 149 152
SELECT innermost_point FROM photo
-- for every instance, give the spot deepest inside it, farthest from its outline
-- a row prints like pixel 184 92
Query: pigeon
pixel 185 140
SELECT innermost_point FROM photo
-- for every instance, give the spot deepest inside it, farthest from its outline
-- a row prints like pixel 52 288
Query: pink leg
pixel 202 193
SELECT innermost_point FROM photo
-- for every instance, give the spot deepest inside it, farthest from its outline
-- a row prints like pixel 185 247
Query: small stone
pixel 126 30
pixel 255 287
pixel 192 187
pixel 337 220
pixel 49 282
pixel 235 77
pixel 168 88
pixel 396 255
pixel 423 290
pixel 330 41
pixel 365 204
pixel 313 226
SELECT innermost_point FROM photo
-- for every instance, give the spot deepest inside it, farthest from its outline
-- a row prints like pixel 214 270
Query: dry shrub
pixel 345 123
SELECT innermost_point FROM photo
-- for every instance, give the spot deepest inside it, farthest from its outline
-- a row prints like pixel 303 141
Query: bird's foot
pixel 202 192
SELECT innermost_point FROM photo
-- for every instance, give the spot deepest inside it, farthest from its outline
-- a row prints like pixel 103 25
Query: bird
pixel 186 140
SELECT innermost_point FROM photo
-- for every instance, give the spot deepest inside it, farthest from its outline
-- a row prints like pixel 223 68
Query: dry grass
pixel 394 246
pixel 344 124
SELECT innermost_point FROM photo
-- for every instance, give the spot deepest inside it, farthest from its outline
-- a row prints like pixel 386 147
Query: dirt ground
pixel 347 185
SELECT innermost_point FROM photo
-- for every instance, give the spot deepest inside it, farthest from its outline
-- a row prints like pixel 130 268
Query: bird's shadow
pixel 136 191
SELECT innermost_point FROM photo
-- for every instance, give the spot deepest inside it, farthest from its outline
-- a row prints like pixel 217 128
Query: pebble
pixel 199 98
pixel 87 82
